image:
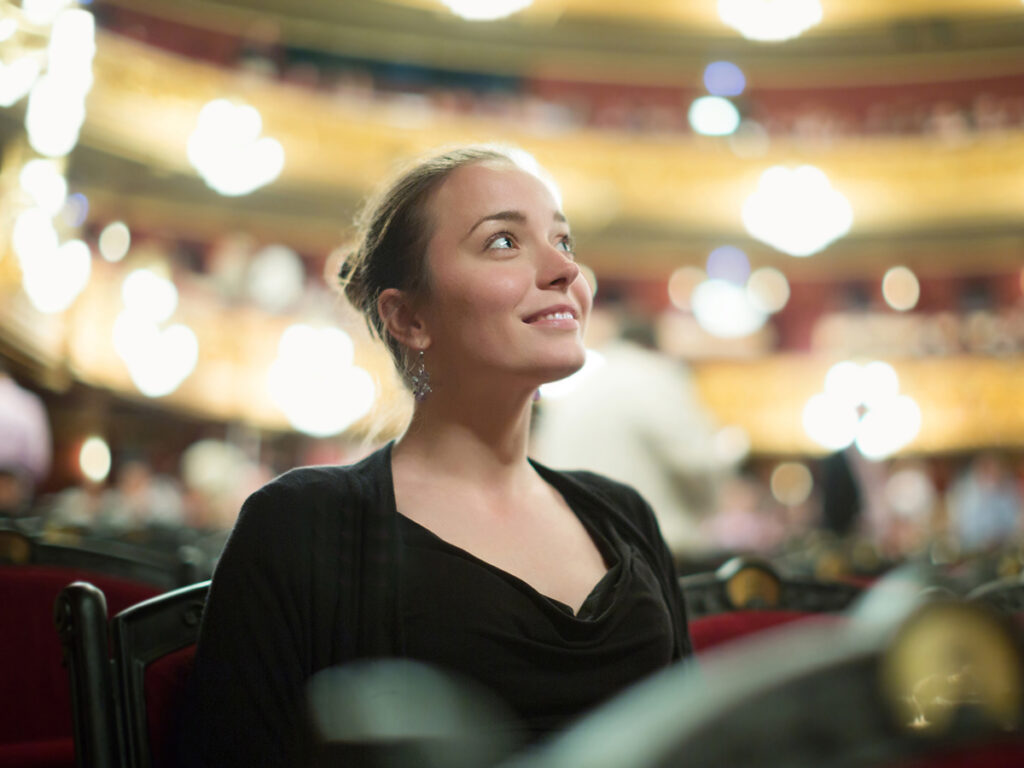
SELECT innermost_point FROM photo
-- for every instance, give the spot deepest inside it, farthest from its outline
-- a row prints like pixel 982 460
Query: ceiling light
pixel 486 10
pixel 770 20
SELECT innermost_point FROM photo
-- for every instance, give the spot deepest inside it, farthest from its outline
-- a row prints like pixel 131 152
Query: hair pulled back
pixel 393 231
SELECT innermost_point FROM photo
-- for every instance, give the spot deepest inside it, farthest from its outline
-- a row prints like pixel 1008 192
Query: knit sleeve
pixel 245 705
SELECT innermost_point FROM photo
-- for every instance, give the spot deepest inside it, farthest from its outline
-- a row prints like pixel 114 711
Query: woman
pixel 553 589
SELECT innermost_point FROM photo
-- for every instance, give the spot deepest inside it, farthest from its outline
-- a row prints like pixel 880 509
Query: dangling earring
pixel 420 379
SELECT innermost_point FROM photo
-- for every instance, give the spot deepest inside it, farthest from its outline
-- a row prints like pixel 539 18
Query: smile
pixel 557 317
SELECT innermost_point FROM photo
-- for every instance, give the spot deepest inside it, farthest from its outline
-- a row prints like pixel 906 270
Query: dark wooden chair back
pixel 153 645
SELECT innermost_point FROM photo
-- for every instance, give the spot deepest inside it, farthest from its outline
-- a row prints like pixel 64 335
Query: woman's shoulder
pixel 324 488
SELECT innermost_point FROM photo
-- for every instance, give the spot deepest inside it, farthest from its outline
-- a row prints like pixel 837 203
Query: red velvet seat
pixel 748 596
pixel 36 727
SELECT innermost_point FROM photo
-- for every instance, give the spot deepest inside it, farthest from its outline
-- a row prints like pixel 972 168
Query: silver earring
pixel 420 379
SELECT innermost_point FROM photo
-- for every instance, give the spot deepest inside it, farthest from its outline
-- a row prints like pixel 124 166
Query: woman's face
pixel 505 294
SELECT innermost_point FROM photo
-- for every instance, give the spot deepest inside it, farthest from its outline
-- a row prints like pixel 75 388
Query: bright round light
pixel 728 263
pixel 681 284
pixel 713 116
pixel 43 12
pixel 796 210
pixel 830 421
pixel 844 382
pixel 34 236
pixel 593 363
pixel 54 117
pixel 115 240
pixel 770 20
pixel 791 483
pixel 879 384
pixel 900 289
pixel 158 360
pixel 486 10
pixel 226 151
pixel 888 427
pixel 72 48
pixel 45 184
pixel 276 278
pixel 94 459
pixel 53 281
pixel 723 78
pixel 17 80
pixel 768 289
pixel 314 382
pixel 722 309
pixel 167 363
pixel 148 296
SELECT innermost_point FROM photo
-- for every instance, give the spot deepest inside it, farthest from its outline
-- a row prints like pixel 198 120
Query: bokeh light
pixel 728 263
pixel 723 78
pixel 722 309
pixel 591 277
pixel 315 383
pixel 44 183
pixel 276 277
pixel 862 405
pixel 115 240
pixel 228 152
pixel 791 483
pixel 53 280
pixel 888 426
pixel 486 10
pixel 768 289
pixel 148 296
pixel 770 20
pixel 158 360
pixel 900 289
pixel 43 12
pixel 796 210
pixel 94 459
pixel 681 284
pixel 713 116
pixel 18 78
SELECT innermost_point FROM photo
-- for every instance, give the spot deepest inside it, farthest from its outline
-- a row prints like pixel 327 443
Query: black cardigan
pixel 307 581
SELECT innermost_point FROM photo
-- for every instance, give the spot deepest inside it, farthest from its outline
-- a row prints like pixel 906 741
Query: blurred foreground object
pixel 403 714
pixel 915 674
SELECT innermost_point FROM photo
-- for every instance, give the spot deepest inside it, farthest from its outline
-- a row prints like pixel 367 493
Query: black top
pixel 310 579
pixel 548 664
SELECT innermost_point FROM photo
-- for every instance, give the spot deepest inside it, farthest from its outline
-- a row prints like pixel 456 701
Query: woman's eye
pixel 567 244
pixel 502 242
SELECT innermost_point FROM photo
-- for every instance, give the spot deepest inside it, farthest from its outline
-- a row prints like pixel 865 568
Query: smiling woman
pixel 449 546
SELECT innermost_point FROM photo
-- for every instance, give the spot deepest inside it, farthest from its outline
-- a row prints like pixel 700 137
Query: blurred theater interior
pixel 814 212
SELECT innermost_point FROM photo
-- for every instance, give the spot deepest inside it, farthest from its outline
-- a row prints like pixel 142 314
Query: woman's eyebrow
pixel 517 216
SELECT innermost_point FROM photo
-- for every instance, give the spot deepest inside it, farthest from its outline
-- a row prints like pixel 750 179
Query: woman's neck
pixel 478 439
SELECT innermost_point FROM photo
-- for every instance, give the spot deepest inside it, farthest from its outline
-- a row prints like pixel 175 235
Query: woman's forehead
pixel 482 189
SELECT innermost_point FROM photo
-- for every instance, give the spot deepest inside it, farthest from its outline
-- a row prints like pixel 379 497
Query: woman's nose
pixel 558 269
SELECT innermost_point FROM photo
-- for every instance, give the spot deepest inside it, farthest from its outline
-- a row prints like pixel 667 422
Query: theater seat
pixel 153 644
pixel 36 727
pixel 748 595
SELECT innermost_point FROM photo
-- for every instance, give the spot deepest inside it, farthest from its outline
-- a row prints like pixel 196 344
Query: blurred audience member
pixel 985 505
pixel 746 520
pixel 638 419
pixel 25 446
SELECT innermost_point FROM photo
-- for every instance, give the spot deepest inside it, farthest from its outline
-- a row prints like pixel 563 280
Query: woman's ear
pixel 402 319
